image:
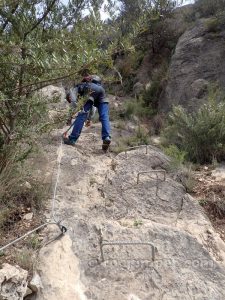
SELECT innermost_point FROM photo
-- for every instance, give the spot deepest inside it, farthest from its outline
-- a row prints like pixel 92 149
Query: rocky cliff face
pixel 133 237
pixel 198 61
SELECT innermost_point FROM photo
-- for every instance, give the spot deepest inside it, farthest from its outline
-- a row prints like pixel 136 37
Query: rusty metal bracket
pixel 136 147
pixel 131 243
pixel 152 171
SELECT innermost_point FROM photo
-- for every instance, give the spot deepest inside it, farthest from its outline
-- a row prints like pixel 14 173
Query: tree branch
pixel 49 8
pixel 119 75
pixel 12 13
pixel 48 81
pixel 9 18
pixel 80 6
pixel 4 127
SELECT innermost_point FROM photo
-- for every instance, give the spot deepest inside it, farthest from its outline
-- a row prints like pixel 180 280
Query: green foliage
pixel 203 202
pixel 136 107
pixel 120 147
pixel 151 95
pixel 212 24
pixel 120 125
pixel 138 223
pixel 216 206
pixel 37 49
pixel 113 114
pixel 33 242
pixel 177 156
pixel 4 216
pixel 157 123
pixel 130 63
pixel 201 134
pixel 25 259
pixel 187 178
pixel 18 191
pixel 140 137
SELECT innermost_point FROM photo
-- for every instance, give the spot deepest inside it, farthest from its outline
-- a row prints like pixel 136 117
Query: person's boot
pixel 69 141
pixel 106 144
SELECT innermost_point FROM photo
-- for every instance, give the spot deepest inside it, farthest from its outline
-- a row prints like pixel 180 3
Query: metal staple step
pixel 119 243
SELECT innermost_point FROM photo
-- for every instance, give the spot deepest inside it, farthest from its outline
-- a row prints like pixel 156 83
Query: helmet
pixel 96 79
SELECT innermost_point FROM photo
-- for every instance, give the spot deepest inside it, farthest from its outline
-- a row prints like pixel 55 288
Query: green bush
pixel 177 156
pixel 151 95
pixel 157 123
pixel 212 24
pixel 130 63
pixel 137 108
pixel 201 134
pixel 140 137
pixel 187 178
pixel 217 23
pixel 18 190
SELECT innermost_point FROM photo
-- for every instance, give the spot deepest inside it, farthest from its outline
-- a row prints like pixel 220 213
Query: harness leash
pixel 64 135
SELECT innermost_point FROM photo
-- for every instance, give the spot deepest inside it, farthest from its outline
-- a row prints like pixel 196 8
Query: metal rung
pixel 136 147
pixel 152 171
pixel 118 243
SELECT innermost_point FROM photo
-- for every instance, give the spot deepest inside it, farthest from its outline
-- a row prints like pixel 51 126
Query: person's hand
pixel 68 98
pixel 88 123
pixel 69 121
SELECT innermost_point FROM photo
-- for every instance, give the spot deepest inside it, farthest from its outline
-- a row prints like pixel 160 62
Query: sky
pixel 105 16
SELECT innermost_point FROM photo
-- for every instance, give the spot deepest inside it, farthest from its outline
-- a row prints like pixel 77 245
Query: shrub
pixel 187 178
pixel 216 23
pixel 215 205
pixel 158 123
pixel 33 242
pixel 151 95
pixel 177 156
pixel 201 135
pixel 25 259
pixel 140 137
pixel 130 63
pixel 212 24
pixel 120 125
pixel 18 190
pixel 137 108
pixel 113 114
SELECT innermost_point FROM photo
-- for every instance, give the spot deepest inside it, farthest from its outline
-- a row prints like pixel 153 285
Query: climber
pixel 72 97
pixel 91 87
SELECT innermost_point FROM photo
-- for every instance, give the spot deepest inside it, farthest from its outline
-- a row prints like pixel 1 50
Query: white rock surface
pixel 36 284
pixel 13 282
pixel 190 258
pixel 59 271
pixel 52 91
pixel 28 217
pixel 28 292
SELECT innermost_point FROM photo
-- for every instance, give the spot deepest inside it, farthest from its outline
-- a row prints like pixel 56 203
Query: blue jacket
pixel 94 91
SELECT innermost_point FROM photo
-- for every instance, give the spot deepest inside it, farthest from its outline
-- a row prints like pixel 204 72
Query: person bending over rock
pixel 90 87
pixel 73 96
